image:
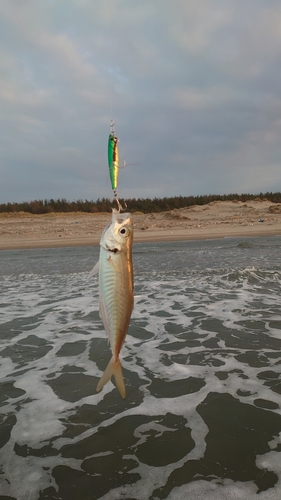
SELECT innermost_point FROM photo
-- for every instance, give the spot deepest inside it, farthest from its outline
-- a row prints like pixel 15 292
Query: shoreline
pixel 216 220
pixel 152 238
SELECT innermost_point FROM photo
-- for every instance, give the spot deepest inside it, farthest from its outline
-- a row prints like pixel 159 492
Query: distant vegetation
pixel 144 205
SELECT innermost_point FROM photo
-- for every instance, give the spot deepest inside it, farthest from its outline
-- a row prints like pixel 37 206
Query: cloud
pixel 194 88
pixel 193 25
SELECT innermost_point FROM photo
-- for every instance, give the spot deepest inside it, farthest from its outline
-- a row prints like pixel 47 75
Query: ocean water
pixel 201 361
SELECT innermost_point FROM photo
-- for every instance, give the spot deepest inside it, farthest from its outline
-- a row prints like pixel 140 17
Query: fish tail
pixel 113 369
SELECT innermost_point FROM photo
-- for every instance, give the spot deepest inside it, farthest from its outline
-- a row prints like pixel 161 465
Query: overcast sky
pixel 194 88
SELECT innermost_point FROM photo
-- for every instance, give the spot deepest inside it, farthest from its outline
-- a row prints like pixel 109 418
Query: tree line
pixel 144 205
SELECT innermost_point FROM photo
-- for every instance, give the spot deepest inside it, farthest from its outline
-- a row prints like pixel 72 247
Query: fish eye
pixel 124 231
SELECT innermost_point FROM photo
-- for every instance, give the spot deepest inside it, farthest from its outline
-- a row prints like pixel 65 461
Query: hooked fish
pixel 116 298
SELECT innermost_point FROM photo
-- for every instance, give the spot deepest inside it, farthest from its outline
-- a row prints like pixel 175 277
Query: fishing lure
pixel 113 158
pixel 113 162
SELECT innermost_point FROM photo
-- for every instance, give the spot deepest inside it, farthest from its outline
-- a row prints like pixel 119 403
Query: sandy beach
pixel 216 220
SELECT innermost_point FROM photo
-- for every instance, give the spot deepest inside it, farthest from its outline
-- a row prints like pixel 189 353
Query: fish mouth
pixel 121 218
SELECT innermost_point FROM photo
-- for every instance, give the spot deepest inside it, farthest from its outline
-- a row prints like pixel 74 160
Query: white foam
pixel 270 461
pixel 220 489
pixel 64 309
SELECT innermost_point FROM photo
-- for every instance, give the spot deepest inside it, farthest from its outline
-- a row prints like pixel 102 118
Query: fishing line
pixel 113 159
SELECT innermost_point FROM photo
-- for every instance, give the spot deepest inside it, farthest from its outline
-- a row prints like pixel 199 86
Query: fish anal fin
pixel 113 369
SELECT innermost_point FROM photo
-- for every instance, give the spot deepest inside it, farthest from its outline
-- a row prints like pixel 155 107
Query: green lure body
pixel 113 160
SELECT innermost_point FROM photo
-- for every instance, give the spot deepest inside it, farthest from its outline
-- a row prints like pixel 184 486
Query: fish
pixel 116 295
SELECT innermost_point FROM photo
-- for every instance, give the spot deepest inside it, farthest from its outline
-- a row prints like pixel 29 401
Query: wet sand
pixel 215 220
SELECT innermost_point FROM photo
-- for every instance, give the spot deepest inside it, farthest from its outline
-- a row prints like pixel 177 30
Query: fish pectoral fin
pixel 95 269
pixel 110 260
pixel 113 369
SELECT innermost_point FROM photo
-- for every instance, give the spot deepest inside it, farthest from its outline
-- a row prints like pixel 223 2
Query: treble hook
pixel 120 208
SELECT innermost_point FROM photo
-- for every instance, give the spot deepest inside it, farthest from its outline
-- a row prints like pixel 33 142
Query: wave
pixel 201 362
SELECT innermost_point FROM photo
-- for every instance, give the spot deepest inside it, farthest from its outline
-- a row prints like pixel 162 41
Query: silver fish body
pixel 116 299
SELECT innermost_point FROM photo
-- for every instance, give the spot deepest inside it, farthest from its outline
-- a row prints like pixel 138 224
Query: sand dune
pixel 215 220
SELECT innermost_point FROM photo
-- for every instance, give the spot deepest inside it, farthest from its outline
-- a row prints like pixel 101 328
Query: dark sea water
pixel 201 361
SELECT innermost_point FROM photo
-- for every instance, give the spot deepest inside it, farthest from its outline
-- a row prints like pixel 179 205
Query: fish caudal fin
pixel 113 369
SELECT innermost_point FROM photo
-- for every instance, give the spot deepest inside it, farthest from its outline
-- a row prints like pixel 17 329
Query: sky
pixel 194 88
